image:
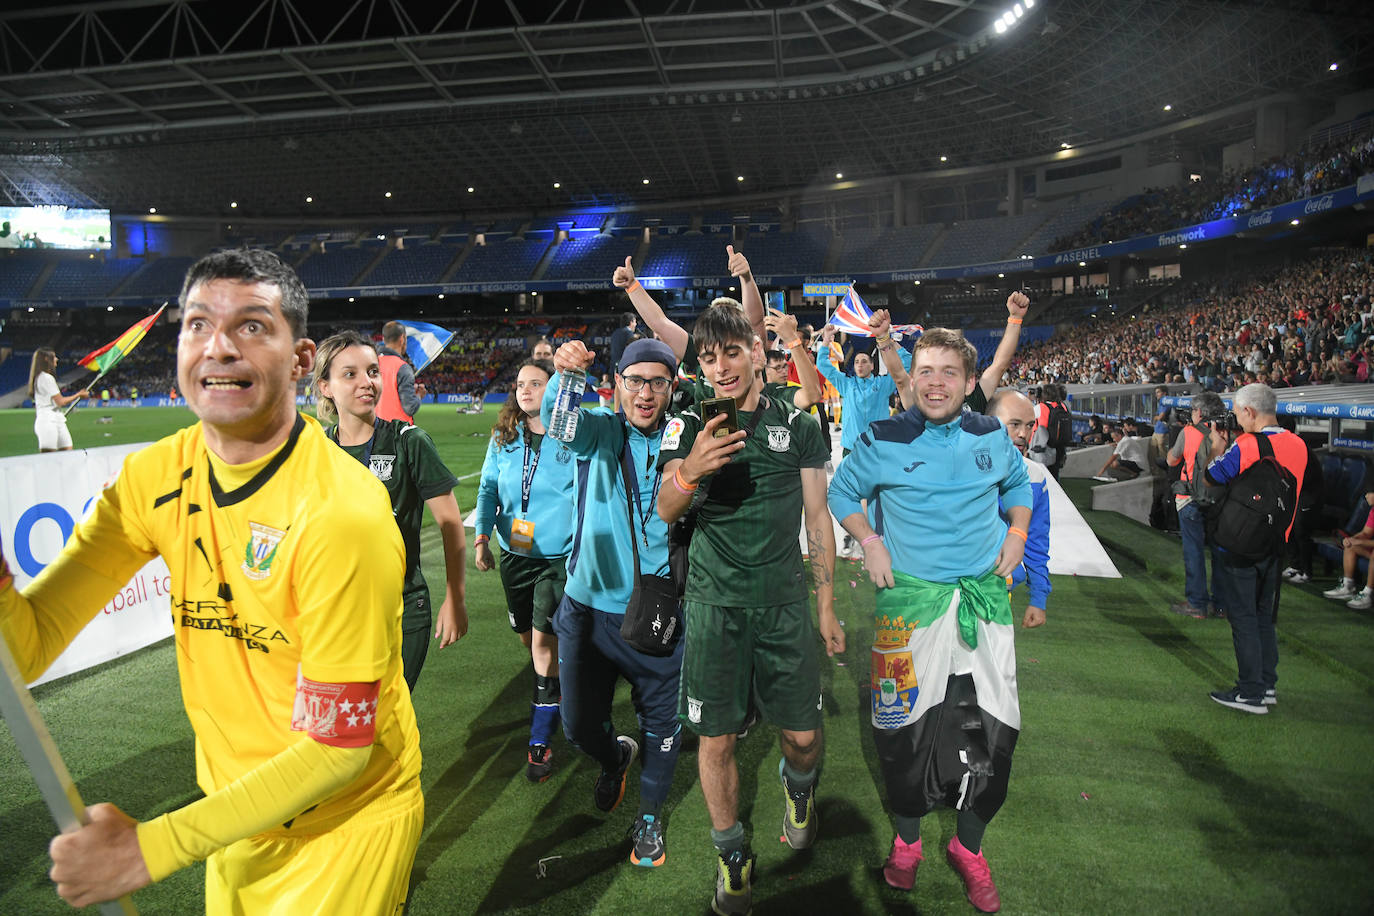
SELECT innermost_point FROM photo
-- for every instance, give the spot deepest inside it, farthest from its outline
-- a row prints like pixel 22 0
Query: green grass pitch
pixel 1132 792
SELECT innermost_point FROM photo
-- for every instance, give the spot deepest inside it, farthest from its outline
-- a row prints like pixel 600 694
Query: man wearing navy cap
pixel 601 575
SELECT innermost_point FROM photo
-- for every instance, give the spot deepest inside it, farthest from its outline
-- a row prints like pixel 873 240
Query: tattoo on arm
pixel 821 573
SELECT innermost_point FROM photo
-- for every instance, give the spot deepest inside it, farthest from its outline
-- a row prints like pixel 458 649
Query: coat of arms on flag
pixel 261 550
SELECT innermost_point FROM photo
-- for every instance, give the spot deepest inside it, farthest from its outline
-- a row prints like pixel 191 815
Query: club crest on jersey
pixel 564 454
pixel 381 466
pixel 261 550
pixel 779 438
pixel 983 458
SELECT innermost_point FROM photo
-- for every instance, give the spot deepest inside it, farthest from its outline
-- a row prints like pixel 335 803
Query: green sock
pixel 970 831
pixel 730 839
pixel 797 779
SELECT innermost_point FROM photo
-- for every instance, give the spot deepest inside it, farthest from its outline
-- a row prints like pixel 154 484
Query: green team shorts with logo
pixel 534 588
pixel 732 651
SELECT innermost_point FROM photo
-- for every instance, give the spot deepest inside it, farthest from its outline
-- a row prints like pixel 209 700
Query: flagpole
pixel 70 407
pixel 36 746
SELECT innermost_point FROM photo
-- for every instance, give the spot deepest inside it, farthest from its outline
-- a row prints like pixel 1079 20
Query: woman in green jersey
pixel 347 381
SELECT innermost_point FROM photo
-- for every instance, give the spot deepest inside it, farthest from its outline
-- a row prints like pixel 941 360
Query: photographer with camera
pixel 1267 464
pixel 1192 450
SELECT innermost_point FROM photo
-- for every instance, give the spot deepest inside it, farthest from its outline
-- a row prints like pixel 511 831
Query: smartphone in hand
pixel 712 407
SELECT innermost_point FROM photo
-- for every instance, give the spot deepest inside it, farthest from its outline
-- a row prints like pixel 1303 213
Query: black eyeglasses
pixel 657 385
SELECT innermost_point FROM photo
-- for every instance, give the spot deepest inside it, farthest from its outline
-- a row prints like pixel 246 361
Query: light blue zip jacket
pixel 600 567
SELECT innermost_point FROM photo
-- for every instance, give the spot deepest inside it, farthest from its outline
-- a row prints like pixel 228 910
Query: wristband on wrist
pixel 681 484
pixel 794 344
pixel 482 538
pixel 1012 319
pixel 884 338
pixel 871 538
pixel 634 284
pixel 1018 532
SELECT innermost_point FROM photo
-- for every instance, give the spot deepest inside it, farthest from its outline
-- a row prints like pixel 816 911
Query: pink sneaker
pixel 982 893
pixel 900 867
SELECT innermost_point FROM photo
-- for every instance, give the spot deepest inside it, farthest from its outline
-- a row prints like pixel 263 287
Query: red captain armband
pixel 339 715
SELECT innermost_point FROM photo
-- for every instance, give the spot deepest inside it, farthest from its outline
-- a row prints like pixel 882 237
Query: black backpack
pixel 1060 426
pixel 1250 519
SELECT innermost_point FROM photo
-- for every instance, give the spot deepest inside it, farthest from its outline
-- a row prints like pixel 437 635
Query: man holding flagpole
pixel 286 601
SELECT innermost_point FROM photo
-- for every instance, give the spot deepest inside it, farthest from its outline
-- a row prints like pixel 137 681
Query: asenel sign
pixel 43 498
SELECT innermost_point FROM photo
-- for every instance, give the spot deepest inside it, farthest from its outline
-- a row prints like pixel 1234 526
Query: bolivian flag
pixel 104 359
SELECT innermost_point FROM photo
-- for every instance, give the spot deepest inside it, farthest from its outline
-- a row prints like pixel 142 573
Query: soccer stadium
pixel 1063 527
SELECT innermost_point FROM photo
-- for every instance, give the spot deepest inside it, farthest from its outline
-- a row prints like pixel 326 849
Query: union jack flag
pixel 852 314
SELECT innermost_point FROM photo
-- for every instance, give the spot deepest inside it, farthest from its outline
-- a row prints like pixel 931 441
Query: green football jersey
pixel 404 459
pixel 746 549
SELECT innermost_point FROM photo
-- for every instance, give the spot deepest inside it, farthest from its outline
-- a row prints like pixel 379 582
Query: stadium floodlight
pixel 388 194
pixel 1018 11
pixel 1334 67
pixel 944 158
pixel 839 175
pixel 1295 222
pixel 1029 3
pixel 310 200
pixel 1009 18
pixel 646 181
pixel 110 308
pixel 999 26
pixel 233 204
pixel 471 189
pixel 557 185
pixel 739 177
pixel 1168 107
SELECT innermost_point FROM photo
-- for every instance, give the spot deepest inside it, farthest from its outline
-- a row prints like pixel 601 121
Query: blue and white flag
pixel 424 342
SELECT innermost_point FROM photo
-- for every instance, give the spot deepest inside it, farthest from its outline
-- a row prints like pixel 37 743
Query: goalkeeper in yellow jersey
pixel 286 601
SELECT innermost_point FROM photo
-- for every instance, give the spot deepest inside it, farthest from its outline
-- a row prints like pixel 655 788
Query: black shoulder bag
pixel 652 622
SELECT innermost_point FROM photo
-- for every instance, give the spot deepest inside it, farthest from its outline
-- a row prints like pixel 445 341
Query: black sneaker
pixel 610 787
pixel 734 884
pixel 649 849
pixel 750 720
pixel 540 765
pixel 1234 700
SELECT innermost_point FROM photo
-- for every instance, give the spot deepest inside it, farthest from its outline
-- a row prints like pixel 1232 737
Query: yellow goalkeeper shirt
pixel 281 569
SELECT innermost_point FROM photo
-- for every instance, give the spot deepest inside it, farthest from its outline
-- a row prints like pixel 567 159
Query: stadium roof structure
pixel 466 105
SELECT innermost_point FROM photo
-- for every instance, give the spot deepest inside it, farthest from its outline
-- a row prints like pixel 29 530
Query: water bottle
pixel 566 406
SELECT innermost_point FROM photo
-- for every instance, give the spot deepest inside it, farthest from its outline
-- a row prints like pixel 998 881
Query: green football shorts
pixel 534 588
pixel 732 651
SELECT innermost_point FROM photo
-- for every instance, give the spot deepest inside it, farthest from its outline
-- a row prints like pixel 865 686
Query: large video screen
pixel 54 227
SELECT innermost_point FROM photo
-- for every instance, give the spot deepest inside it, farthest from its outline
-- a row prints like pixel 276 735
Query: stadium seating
pixel 977 241
pixel 18 273
pixel 501 260
pixel 691 255
pixel 867 249
pixel 593 257
pixel 161 277
pixel 416 263
pixel 334 267
pixel 1067 217
pixel 786 252
pixel 88 277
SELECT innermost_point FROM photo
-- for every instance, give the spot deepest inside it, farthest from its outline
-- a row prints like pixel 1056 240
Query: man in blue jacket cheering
pixel 601 576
